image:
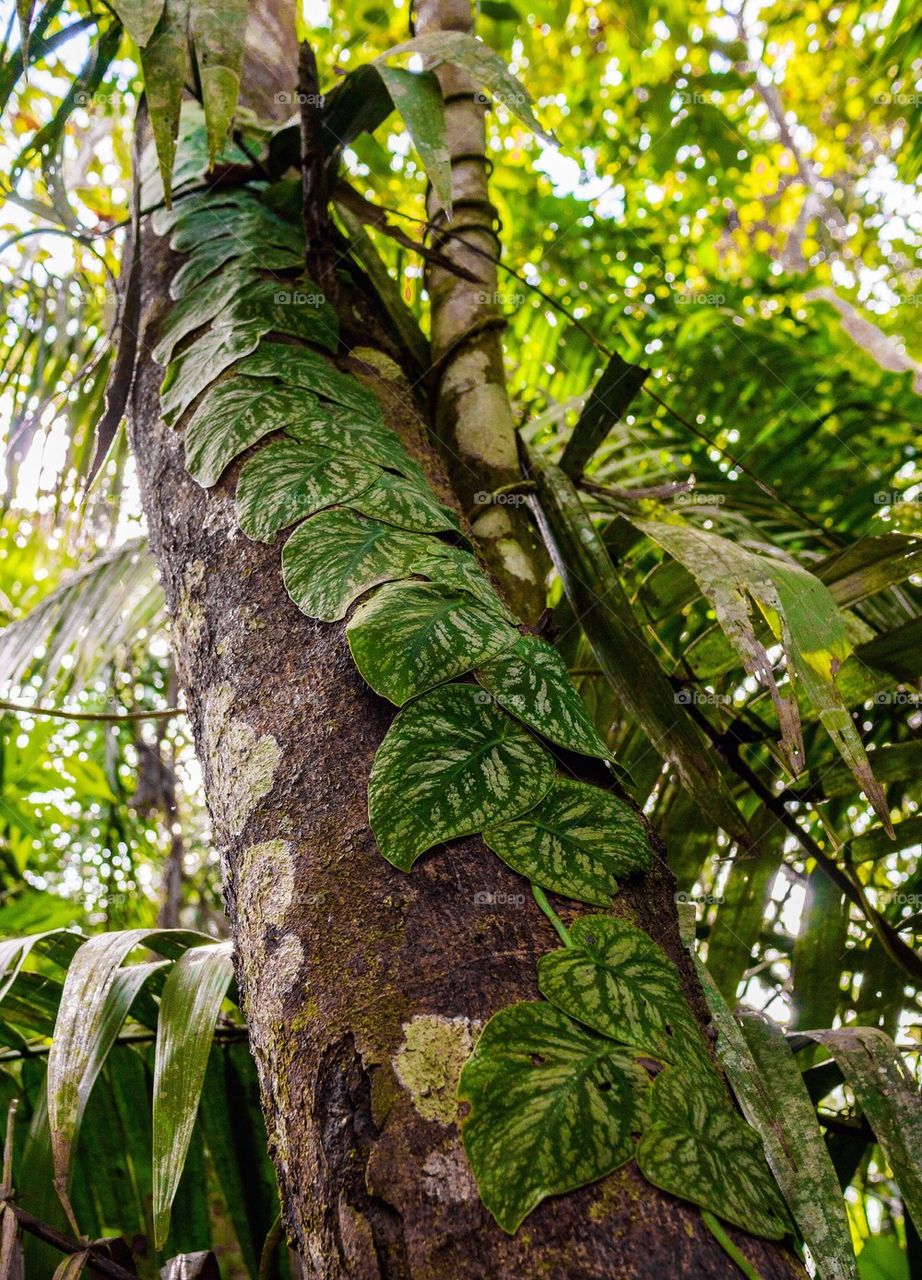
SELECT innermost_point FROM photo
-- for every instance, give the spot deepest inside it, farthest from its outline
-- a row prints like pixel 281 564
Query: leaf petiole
pixel 541 899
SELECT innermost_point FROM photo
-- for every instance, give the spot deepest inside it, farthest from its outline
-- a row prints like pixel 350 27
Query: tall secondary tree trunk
pixel 364 987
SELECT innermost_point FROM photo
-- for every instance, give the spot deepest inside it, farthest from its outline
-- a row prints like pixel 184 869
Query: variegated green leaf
pixel 290 479
pixel 139 17
pixel 533 683
pixel 300 367
pixel 576 842
pixel 552 1107
pixel 295 308
pixel 163 61
pixel 449 766
pixel 92 1009
pixel 213 254
pixel 774 1098
pixel 189 1007
pixel 405 503
pixel 483 65
pixel 333 427
pixel 418 99
pixel 201 364
pixel 456 568
pixel 615 979
pixel 201 306
pixel 698 1148
pixel 232 417
pixel 335 556
pixel 411 636
pixel 218 29
pixel 245 199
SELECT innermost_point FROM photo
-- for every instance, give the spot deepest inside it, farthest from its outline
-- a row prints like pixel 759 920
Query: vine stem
pixel 562 930
pixel 729 1248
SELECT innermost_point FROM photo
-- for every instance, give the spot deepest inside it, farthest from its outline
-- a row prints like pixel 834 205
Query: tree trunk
pixel 364 988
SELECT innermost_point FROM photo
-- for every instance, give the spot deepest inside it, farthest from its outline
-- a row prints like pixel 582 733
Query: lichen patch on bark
pixel 267 872
pixel 240 765
pixel 428 1063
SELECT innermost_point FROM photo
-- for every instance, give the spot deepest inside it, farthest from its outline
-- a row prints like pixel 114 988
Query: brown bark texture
pixel 364 987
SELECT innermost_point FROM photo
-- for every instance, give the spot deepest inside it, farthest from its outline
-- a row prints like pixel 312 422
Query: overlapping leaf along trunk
pixel 365 987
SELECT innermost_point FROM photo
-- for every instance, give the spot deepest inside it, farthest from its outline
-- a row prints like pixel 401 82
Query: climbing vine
pixel 611 1064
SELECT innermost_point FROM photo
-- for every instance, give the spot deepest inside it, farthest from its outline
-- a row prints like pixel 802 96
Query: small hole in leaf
pixel 538 1059
pixel 667 1029
pixel 605 1086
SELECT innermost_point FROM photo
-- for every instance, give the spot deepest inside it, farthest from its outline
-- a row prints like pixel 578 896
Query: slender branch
pixel 98 1260
pixel 105 717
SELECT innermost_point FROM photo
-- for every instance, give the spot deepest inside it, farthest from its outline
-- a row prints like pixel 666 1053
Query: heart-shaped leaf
pixel 290 479
pixel 296 308
pixel 411 636
pixel 232 417
pixel 213 254
pixel 201 306
pixel 553 1106
pixel 200 365
pixel 300 367
pixel 449 766
pixel 577 841
pixel 333 427
pixel 615 979
pixel 698 1148
pixel 335 556
pixel 405 503
pixel 533 683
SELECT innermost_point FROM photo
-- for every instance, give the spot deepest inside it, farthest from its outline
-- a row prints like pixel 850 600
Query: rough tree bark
pixel 365 987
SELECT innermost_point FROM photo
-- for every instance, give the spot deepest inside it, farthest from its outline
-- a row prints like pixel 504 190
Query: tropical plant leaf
pixel 213 254
pixel 616 980
pixel 533 683
pixel 449 766
pixel 189 1007
pixel 552 1107
pixel 296 308
pixel 78 628
pixel 87 1024
pixel 418 98
pixel 234 415
pixel 139 17
pixel 576 842
pixel 889 1098
pixel 300 367
pixel 202 305
pixel 411 636
pixel 482 64
pixel 608 401
pixel 786 1118
pixel 335 556
pixel 201 364
pixel 333 427
pixel 698 1148
pixel 218 30
pixel 408 504
pixel 163 62
pixel 291 479
pixel 802 616
pixel 456 568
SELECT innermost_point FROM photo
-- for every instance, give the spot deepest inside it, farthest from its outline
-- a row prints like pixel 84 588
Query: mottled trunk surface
pixel 365 987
